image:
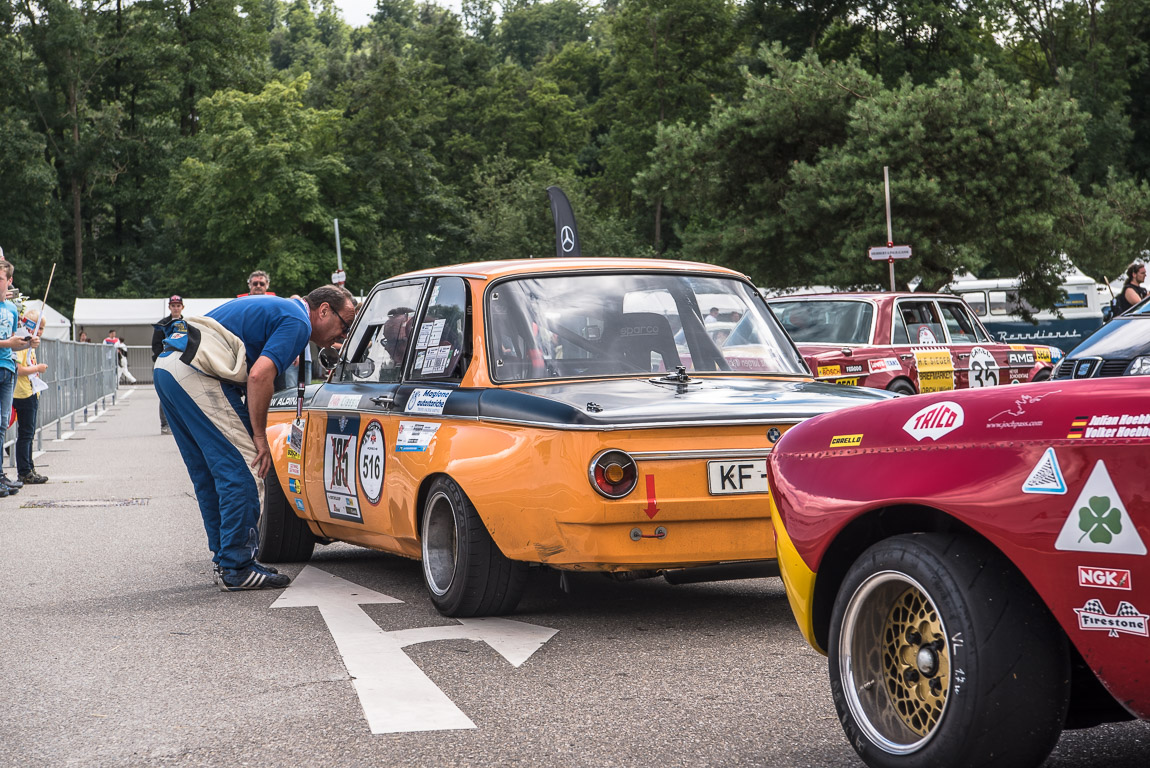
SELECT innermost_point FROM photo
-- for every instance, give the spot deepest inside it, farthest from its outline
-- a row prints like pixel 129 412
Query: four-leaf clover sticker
pixel 1101 521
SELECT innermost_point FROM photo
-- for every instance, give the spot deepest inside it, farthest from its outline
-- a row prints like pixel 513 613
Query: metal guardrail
pixel 80 378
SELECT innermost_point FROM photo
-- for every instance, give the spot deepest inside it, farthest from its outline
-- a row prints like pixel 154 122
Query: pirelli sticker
pixel 846 441
pixel 935 370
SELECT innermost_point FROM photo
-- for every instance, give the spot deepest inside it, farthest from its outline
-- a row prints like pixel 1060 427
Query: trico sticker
pixel 1107 578
pixel 1098 521
pixel 415 435
pixel 293 468
pixel 1127 619
pixel 344 402
pixel 845 441
pixel 339 461
pixel 829 370
pixel 935 370
pixel 983 369
pixel 299 504
pixel 884 364
pixel 429 401
pixel 934 421
pixel 371 462
pixel 1046 477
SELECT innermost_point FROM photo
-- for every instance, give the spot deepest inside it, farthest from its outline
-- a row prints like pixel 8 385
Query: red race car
pixel 974 566
pixel 905 342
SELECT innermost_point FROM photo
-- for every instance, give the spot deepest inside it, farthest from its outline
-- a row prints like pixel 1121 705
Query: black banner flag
pixel 566 235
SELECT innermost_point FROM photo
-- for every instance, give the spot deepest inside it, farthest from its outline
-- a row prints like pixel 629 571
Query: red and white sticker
pixel 1127 619
pixel 884 364
pixel 934 421
pixel 1107 578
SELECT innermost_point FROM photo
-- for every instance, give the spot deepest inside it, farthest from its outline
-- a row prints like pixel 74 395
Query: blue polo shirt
pixel 8 320
pixel 269 326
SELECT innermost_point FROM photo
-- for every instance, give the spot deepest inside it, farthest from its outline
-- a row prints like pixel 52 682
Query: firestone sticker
pixel 935 421
pixel 339 461
pixel 371 462
pixel 429 401
pixel 1098 521
pixel 1127 619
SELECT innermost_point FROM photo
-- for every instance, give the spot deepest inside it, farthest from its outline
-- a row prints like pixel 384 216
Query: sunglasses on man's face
pixel 257 284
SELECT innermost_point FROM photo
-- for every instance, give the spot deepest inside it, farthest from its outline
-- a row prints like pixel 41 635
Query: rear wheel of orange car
pixel 463 569
pixel 941 654
pixel 284 537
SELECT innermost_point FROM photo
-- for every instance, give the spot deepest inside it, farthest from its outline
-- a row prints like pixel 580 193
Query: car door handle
pixel 383 400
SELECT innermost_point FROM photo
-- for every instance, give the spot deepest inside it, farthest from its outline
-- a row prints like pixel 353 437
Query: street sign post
pixel 891 251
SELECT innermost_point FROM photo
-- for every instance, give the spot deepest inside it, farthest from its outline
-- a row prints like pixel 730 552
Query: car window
pixel 382 338
pixel 826 322
pixel 976 300
pixel 917 322
pixel 442 344
pixel 586 325
pixel 962 326
pixel 998 303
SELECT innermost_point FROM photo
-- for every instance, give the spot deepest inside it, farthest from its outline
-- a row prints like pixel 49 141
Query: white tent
pixel 132 319
pixel 56 326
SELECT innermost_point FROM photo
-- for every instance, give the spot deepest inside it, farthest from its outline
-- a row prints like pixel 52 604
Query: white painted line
pixel 397 697
pixel 63 437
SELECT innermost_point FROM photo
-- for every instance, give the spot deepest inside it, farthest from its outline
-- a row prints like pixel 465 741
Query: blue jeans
pixel 26 411
pixel 7 387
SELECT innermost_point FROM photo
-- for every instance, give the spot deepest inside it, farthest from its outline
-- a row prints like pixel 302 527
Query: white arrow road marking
pixel 396 695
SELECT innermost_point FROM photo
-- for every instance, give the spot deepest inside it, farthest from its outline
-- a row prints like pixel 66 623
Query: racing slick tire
pixel 901 387
pixel 465 572
pixel 941 654
pixel 284 537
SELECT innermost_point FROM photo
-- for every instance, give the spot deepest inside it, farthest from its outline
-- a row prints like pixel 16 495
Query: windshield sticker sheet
pixel 1098 520
pixel 424 333
pixel 430 401
pixel 1046 477
pixel 415 435
pixel 935 370
pixel 339 461
pixel 371 462
pixel 436 359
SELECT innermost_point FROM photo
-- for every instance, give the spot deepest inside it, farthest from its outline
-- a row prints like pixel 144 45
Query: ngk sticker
pixel 1107 578
pixel 934 421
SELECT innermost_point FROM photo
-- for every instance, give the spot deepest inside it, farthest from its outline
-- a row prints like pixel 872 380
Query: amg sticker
pixel 339 461
pixel 935 421
pixel 1127 619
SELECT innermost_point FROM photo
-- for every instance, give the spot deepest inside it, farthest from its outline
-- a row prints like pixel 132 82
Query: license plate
pixel 747 476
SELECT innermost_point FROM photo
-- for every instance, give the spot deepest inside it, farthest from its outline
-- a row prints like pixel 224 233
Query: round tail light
pixel 613 474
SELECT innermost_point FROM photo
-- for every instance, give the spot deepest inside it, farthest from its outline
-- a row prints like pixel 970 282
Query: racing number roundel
pixel 371 459
pixel 983 369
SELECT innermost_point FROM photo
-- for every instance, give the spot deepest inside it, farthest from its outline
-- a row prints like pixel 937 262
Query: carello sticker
pixel 829 370
pixel 844 441
pixel 1106 578
pixel 299 504
pixel 1126 619
pixel 1098 520
pixel 427 401
pixel 372 456
pixel 934 421
pixel 340 453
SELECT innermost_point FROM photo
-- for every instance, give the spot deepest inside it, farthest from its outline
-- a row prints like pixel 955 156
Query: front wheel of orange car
pixel 465 573
pixel 284 537
pixel 942 655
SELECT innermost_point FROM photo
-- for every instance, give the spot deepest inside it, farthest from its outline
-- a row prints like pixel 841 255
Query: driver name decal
pixel 339 468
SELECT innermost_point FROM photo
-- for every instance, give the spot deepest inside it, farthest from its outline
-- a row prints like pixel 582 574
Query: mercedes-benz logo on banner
pixel 567 239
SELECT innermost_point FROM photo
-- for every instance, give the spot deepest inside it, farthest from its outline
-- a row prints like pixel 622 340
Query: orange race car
pixel 574 413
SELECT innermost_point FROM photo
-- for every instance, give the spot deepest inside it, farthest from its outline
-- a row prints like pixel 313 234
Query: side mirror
pixel 328 357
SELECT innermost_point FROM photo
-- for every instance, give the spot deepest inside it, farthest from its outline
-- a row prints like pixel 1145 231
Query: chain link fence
pixel 81 379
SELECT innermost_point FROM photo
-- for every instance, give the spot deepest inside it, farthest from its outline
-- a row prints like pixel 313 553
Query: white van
pixel 996 302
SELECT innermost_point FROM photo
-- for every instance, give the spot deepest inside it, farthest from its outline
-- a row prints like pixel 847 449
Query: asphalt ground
pixel 117 650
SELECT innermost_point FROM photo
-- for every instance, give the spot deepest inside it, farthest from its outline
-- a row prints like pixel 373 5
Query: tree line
pixel 171 146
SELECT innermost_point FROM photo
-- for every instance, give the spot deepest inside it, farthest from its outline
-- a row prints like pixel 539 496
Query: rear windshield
pixel 826 322
pixel 591 325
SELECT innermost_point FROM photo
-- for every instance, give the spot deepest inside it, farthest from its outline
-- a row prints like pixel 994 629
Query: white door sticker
pixel 1098 521
pixel 1046 477
pixel 372 455
pixel 415 435
pixel 983 369
pixel 428 400
pixel 934 421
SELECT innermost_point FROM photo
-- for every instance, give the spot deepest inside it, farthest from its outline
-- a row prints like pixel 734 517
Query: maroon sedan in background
pixel 905 342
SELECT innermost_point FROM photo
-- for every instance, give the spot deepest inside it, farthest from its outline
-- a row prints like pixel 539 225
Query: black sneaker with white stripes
pixel 254 576
pixel 217 569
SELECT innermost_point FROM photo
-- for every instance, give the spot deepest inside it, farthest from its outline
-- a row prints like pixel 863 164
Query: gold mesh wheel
pixel 916 662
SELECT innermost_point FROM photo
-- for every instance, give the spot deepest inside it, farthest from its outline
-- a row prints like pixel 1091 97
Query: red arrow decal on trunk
pixel 651 509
